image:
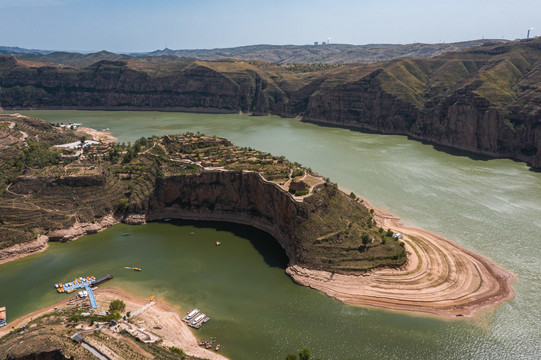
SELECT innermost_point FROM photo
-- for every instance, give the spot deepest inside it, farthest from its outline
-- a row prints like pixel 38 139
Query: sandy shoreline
pixel 103 136
pixel 440 277
pixel 173 331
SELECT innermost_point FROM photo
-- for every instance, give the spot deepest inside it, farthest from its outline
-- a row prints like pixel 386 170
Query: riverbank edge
pixel 320 280
pixel 188 343
pixel 319 122
pixel 328 283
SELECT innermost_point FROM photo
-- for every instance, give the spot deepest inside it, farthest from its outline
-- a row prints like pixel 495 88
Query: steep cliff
pixel 484 99
pixel 322 229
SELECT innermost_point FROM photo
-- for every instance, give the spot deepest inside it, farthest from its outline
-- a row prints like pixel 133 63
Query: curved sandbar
pixel 439 278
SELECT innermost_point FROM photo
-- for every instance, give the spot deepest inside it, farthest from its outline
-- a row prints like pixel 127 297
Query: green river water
pixel 492 207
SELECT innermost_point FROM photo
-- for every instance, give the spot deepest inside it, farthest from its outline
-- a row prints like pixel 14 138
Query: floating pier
pixel 102 280
pixel 86 283
pixel 91 297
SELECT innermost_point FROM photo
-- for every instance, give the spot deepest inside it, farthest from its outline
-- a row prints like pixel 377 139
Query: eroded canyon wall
pixel 233 196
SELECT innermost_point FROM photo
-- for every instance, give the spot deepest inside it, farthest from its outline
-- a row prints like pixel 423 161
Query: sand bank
pixel 103 136
pixel 439 277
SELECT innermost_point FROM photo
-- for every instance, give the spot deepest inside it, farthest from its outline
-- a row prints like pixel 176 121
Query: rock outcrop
pixel 232 196
pixel 21 250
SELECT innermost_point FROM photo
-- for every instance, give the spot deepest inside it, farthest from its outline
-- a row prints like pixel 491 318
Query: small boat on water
pixel 197 319
pixel 192 313
pixel 217 347
pixel 206 319
pixel 192 233
pixel 137 269
pixel 126 234
pixel 151 298
pixel 218 243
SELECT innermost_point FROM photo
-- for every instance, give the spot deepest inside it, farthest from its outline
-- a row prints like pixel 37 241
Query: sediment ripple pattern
pixel 440 277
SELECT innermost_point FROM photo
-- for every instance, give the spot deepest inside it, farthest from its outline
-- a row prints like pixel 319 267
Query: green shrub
pixel 178 351
pixel 305 354
pixel 117 305
pixel 297 172
pixel 123 204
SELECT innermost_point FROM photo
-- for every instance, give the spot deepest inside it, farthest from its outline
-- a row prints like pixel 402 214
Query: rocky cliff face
pixel 113 84
pixel 323 232
pixel 462 120
pixel 239 197
pixel 485 99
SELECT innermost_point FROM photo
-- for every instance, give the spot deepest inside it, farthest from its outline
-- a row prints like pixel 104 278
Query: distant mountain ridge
pixel 281 54
pixel 484 99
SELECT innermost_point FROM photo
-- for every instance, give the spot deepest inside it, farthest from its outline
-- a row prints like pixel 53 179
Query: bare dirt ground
pixel 103 136
pixel 440 277
pixel 172 330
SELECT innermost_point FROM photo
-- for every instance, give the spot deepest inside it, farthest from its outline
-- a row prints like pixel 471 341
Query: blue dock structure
pixel 83 283
pixel 91 297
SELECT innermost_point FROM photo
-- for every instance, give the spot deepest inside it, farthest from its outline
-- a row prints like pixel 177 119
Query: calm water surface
pixel 492 207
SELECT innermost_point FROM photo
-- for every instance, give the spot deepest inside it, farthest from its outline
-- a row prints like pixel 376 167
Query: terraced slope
pixel 187 177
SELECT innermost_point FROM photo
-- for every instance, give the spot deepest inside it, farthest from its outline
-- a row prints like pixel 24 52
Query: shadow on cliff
pixel 455 152
pixel 438 147
pixel 265 244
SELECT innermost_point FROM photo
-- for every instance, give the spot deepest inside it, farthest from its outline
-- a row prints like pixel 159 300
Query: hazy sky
pixel 137 25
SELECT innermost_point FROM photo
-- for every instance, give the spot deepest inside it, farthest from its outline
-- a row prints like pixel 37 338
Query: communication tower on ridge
pixel 528 36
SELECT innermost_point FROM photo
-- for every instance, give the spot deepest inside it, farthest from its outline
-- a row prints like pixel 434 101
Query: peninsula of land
pixel 335 242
